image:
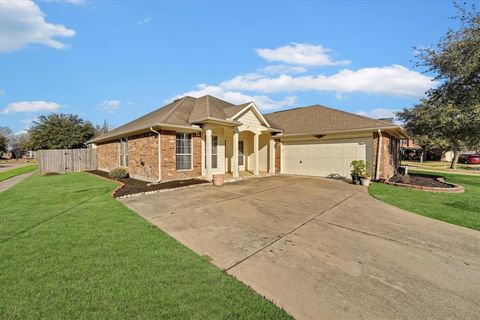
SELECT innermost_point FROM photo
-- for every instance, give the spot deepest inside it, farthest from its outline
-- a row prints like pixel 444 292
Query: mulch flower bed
pixel 422 180
pixel 134 186
pixel 425 182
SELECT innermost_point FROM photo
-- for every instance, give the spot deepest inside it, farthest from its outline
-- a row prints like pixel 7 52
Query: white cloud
pixel 283 69
pixel 144 21
pixel 67 1
pixel 23 23
pixel 300 54
pixel 391 80
pixel 31 106
pixel 379 113
pixel 110 105
pixel 264 102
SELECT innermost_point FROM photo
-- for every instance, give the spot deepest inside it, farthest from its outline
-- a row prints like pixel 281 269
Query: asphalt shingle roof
pixel 321 119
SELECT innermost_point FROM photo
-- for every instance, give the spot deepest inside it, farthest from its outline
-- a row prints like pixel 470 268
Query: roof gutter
pixel 221 121
pixel 336 131
pixel 159 155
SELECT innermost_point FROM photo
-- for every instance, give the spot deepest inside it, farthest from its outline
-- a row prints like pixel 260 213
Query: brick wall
pixel 168 146
pixel 107 155
pixel 278 156
pixel 390 151
pixel 143 156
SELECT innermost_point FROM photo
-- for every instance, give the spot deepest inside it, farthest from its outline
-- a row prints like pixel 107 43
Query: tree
pixel 434 126
pixel 451 111
pixel 60 131
pixel 5 131
pixel 19 144
pixel 3 143
pixel 101 130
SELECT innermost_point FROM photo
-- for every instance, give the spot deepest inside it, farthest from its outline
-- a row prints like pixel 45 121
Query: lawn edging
pixel 456 188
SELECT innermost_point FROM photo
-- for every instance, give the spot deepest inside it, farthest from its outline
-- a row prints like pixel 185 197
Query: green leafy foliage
pixel 118 173
pixel 450 115
pixel 60 131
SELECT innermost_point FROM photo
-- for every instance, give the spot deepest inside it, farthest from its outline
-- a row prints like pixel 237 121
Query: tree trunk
pixel 456 154
pixel 421 155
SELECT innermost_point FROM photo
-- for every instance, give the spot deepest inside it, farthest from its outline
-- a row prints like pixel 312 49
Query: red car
pixel 472 159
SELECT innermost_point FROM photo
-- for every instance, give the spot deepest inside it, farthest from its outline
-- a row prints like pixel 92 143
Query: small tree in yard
pixel 3 143
pixel 19 144
pixel 451 112
pixel 60 131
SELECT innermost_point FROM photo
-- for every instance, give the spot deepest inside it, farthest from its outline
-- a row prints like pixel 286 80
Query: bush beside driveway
pixel 68 250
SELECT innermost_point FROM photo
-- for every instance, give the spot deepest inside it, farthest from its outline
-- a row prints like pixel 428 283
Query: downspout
pixel 379 154
pixel 159 155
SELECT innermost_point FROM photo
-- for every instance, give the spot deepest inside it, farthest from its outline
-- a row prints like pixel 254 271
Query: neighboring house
pixel 200 137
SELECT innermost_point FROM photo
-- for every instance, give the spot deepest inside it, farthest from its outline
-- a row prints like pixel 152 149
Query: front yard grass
pixel 462 209
pixel 68 250
pixel 17 171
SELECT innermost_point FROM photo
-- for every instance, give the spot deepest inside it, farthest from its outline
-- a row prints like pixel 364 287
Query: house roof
pixel 189 111
pixel 186 112
pixel 320 119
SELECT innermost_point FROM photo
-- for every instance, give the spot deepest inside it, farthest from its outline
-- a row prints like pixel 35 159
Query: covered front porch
pixel 237 152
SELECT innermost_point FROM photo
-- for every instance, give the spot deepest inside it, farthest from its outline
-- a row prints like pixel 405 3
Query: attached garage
pixel 325 158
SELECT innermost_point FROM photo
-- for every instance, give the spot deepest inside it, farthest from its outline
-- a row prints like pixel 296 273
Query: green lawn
pixel 68 250
pixel 462 209
pixel 17 171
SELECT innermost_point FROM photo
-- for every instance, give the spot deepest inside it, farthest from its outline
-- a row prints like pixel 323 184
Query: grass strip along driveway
pixel 69 250
pixel 17 171
pixel 462 209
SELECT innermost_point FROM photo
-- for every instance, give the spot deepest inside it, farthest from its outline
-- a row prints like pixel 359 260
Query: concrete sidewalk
pixel 6 184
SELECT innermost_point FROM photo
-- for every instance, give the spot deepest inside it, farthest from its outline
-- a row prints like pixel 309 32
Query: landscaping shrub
pixel 404 178
pixel 118 173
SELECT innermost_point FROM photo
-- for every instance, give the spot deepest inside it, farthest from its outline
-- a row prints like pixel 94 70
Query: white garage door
pixel 329 158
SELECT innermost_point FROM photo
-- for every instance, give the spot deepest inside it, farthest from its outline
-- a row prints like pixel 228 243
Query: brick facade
pixel 168 146
pixel 390 151
pixel 278 156
pixel 107 155
pixel 143 156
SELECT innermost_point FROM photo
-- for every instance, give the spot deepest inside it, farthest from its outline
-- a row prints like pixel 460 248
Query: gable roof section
pixel 320 119
pixel 185 112
pixel 244 108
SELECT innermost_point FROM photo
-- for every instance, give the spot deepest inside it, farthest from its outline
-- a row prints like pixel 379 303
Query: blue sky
pixel 118 60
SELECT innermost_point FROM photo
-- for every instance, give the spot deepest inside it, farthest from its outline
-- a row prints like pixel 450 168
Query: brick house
pixel 200 137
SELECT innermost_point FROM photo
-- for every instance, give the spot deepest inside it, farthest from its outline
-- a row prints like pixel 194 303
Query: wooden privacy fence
pixel 66 160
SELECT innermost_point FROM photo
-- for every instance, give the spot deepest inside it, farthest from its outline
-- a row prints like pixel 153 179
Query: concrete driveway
pixel 325 249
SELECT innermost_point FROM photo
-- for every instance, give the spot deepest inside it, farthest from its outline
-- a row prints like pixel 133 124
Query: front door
pixel 241 155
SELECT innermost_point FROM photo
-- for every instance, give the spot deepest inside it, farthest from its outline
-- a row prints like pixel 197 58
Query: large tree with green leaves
pixel 60 131
pixel 451 111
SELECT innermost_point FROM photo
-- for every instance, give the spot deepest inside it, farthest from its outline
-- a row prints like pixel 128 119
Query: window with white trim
pixel 123 152
pixel 184 151
pixel 214 152
pixel 241 145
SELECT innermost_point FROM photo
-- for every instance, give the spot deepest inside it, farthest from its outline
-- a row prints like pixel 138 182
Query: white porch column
pixel 208 154
pixel 235 154
pixel 271 150
pixel 255 152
